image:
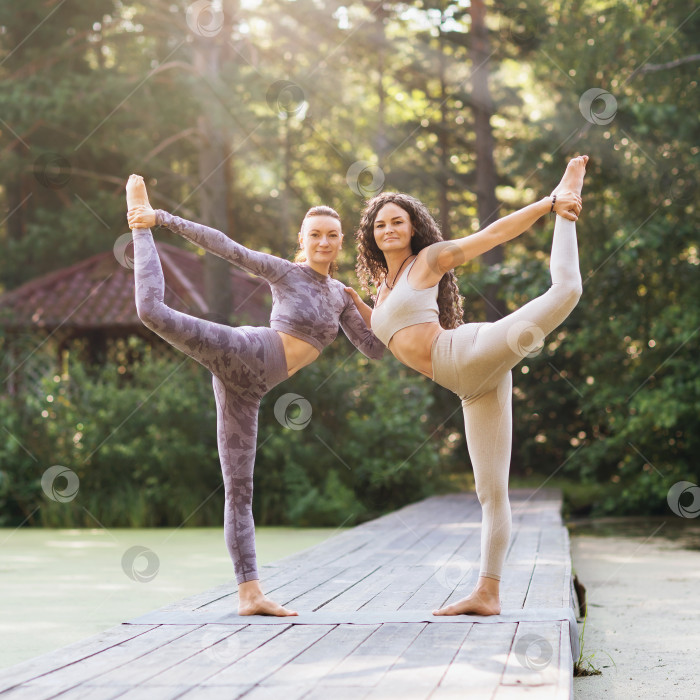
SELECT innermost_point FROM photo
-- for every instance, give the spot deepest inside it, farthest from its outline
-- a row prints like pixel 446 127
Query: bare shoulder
pixel 426 271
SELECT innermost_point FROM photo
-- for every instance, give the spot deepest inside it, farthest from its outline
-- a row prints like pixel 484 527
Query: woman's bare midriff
pixel 298 353
pixel 412 346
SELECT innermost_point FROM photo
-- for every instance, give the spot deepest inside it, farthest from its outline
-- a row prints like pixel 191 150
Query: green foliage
pixel 612 400
pixel 138 440
pixel 142 442
pixel 369 447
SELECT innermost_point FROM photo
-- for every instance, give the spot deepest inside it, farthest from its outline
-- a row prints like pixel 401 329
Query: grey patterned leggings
pixel 245 362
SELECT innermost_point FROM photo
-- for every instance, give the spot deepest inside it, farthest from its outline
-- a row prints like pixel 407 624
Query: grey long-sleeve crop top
pixel 305 304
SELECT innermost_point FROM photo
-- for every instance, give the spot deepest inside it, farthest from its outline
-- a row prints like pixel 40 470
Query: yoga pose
pixel 417 315
pixel 246 362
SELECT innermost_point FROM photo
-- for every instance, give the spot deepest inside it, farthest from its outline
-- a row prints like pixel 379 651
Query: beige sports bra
pixel 405 307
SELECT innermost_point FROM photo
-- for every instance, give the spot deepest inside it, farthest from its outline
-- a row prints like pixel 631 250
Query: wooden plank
pixel 266 659
pixel 455 571
pixel 53 660
pixel 525 543
pixel 317 597
pixel 212 659
pixel 335 692
pixel 542 692
pixel 366 665
pixel 219 641
pixel 400 589
pixel 479 663
pixel 86 692
pixel 49 684
pixel 515 585
pixel 215 693
pixel 353 598
pixel 534 656
pixel 318 660
pixel 329 551
pixel 30 691
pixel 286 592
pixel 418 670
pixel 558 671
pixel 549 586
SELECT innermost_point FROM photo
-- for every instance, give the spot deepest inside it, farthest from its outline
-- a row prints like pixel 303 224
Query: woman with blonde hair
pixel 308 307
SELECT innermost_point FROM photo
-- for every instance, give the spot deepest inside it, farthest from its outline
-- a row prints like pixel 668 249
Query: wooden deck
pixel 364 630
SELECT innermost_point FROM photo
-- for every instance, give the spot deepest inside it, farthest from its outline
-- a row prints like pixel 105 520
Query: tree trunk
pixel 486 177
pixel 214 162
pixel 381 145
pixel 443 147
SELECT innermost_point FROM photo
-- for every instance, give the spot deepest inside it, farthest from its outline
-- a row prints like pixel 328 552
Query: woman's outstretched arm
pixel 267 266
pixel 446 255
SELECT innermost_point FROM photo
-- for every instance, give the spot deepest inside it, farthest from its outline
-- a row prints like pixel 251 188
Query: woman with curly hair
pixel 308 307
pixel 418 316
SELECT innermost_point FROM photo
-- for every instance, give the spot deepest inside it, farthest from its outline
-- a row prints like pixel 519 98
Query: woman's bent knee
pixel 570 292
pixel 149 314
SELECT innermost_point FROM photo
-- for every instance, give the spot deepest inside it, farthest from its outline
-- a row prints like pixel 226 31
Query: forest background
pixel 242 115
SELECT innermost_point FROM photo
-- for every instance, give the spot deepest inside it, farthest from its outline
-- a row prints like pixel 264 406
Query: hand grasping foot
pixel 136 195
pixel 140 214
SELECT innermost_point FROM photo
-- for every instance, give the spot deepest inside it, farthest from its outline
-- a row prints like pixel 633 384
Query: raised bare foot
pixel 136 194
pixel 261 605
pixel 573 176
pixel 479 602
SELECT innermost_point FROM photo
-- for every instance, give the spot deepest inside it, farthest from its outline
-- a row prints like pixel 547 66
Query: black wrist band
pixel 554 201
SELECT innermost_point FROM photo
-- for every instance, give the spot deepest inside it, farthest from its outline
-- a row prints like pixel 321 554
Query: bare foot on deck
pixel 264 606
pixel 252 601
pixel 573 177
pixel 136 194
pixel 483 600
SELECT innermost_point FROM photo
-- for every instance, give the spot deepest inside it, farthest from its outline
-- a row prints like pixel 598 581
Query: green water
pixel 59 586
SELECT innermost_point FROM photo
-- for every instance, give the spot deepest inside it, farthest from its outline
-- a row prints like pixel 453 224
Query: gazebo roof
pixel 98 293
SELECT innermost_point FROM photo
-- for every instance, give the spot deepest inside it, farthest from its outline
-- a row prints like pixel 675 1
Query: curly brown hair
pixel 320 210
pixel 371 263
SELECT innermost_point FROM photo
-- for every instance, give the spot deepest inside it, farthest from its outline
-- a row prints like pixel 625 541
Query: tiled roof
pixel 99 293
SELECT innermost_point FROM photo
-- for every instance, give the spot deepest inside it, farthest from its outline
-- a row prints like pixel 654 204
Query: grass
pixel 584 665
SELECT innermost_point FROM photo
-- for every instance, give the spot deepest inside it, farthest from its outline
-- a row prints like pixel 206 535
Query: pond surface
pixel 59 586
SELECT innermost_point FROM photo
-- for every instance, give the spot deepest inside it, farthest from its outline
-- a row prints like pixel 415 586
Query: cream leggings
pixel 475 361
